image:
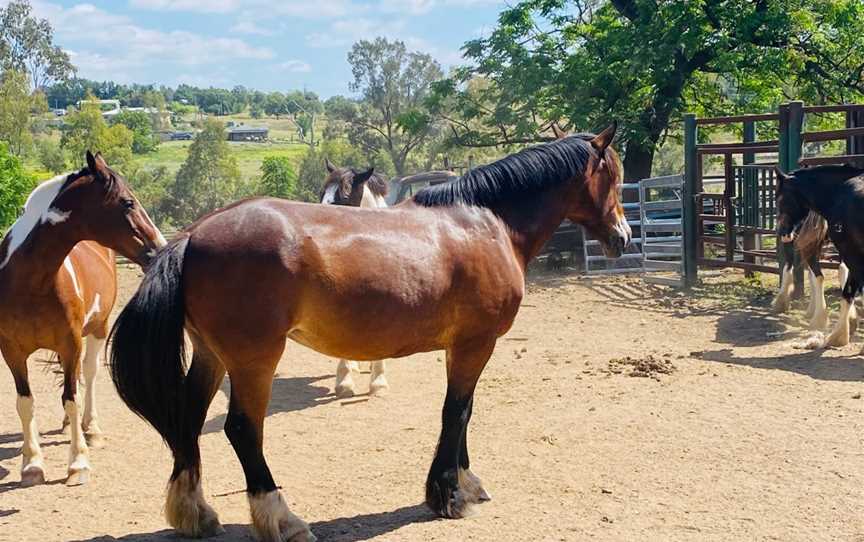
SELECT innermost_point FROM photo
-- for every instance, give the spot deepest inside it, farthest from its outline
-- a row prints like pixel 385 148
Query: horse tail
pixel 811 237
pixel 148 357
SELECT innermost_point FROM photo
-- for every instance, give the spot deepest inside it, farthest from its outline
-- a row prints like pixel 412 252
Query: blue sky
pixel 262 44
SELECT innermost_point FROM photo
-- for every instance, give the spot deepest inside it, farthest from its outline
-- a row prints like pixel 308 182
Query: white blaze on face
pixel 622 228
pixel 329 195
pixel 37 210
pixel 160 239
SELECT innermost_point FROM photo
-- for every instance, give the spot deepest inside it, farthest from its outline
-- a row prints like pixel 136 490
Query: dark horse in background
pixel 835 193
pixel 445 270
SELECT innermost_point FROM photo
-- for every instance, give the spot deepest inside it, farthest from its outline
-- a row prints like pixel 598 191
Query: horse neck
pixel 532 221
pixel 822 195
pixel 35 263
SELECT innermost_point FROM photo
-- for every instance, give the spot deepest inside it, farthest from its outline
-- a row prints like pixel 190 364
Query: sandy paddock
pixel 609 412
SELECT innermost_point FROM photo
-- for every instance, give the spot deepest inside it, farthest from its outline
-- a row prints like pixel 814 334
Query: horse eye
pixel 128 203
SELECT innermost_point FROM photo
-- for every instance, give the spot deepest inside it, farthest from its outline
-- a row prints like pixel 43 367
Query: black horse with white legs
pixel 838 197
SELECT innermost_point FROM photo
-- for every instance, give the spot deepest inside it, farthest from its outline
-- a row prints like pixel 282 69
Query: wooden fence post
pixel 793 154
pixel 691 236
pixel 749 197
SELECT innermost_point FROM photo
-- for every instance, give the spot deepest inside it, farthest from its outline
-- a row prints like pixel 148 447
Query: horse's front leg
pixel 32 462
pixel 79 465
pixel 451 487
pixel 787 280
pixel 90 423
pixel 817 312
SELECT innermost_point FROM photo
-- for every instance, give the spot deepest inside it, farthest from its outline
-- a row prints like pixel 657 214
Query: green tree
pixel 141 126
pixel 86 130
pixel 393 84
pixel 585 62
pixel 27 44
pixel 151 188
pixel 207 180
pixel 51 156
pixel 15 186
pixel 17 105
pixel 278 178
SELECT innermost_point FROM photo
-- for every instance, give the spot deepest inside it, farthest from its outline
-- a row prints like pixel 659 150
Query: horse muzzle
pixel 618 240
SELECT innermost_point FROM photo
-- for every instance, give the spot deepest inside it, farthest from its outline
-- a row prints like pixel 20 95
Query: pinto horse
pixel 57 289
pixel 345 186
pixel 445 270
pixel 836 193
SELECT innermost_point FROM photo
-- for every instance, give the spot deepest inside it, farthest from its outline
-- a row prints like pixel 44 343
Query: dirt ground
pixel 611 411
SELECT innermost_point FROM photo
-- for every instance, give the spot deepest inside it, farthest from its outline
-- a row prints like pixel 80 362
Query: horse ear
pixel 96 164
pixel 781 177
pixel 559 133
pixel 361 178
pixel 604 138
pixel 330 167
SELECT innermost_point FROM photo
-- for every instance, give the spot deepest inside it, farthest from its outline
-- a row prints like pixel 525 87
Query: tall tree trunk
pixel 638 159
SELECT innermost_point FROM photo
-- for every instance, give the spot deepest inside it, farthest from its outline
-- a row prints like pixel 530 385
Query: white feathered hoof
pixel 272 521
pixel 79 474
pixel 473 487
pixel 345 390
pixel 780 305
pixel 819 322
pixel 187 511
pixel 379 386
pixel 95 439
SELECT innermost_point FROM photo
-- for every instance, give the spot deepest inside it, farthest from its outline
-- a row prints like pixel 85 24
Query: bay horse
pixel 835 193
pixel 444 270
pixel 57 289
pixel 345 186
pixel 809 241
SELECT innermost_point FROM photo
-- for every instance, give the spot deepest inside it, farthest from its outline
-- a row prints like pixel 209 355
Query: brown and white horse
pixel 442 271
pixel 57 289
pixel 345 186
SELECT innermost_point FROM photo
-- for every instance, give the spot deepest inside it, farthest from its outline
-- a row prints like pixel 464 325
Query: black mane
pixel 529 171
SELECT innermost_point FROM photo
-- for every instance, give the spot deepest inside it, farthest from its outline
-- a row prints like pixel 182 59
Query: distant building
pixel 247 133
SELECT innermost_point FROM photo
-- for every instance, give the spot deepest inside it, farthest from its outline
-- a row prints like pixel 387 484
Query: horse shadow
pixel 347 529
pixel 289 394
pixel 749 328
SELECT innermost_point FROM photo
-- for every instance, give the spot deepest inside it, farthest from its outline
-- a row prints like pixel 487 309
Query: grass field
pixel 172 154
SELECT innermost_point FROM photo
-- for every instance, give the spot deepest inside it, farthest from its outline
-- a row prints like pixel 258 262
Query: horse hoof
pixel 32 476
pixel 95 440
pixel 78 477
pixel 344 392
pixel 378 390
pixel 447 503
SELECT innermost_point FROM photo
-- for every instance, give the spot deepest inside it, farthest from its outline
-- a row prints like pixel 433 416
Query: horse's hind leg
pixel 450 486
pixel 79 464
pixel 272 521
pixel 787 280
pixel 344 379
pixel 840 335
pixel 185 507
pixel 32 462
pixel 89 422
pixel 378 380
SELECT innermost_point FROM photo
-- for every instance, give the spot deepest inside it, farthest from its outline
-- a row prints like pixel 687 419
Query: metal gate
pixel 662 229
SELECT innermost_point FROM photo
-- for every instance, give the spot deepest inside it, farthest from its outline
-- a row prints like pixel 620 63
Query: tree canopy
pixel 15 186
pixel 27 45
pixel 390 115
pixel 584 62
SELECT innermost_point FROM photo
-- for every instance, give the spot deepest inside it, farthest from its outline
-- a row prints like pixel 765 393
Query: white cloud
pixel 347 31
pixel 294 66
pixel 411 7
pixel 251 28
pixel 203 6
pixel 127 45
pixel 317 9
